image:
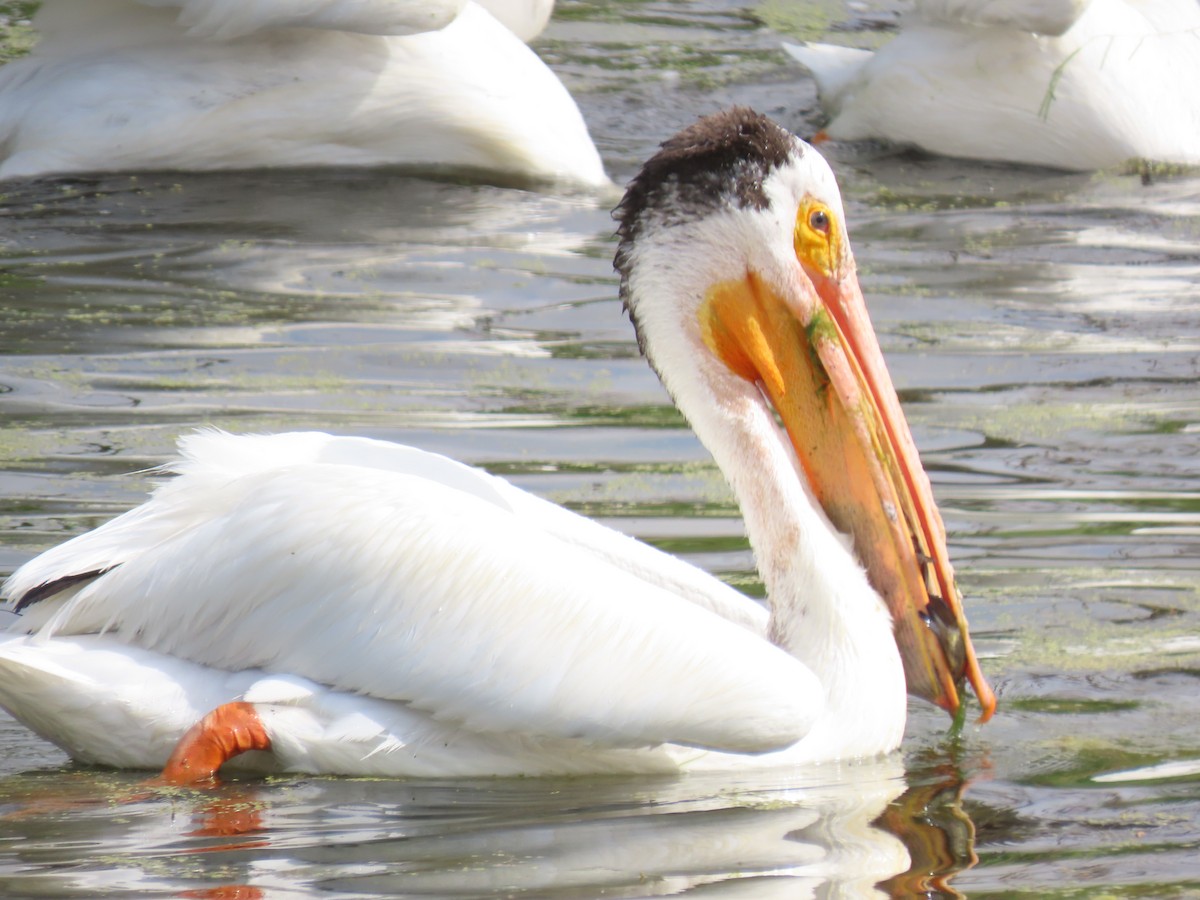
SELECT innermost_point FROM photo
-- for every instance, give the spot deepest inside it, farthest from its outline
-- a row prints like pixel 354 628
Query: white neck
pixel 823 610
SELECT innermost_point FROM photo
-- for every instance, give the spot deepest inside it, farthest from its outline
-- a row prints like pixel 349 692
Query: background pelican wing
pixel 227 19
pixel 1050 17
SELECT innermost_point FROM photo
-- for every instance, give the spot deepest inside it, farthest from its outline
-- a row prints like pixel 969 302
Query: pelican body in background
pixel 138 85
pixel 1071 84
pixel 361 607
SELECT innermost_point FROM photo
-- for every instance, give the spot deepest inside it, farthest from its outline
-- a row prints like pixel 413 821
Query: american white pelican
pixel 362 607
pixel 1073 84
pixel 136 85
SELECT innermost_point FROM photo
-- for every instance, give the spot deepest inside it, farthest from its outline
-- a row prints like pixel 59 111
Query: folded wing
pixel 383 570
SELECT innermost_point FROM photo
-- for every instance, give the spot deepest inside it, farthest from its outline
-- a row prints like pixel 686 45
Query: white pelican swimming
pixel 1073 84
pixel 137 85
pixel 361 607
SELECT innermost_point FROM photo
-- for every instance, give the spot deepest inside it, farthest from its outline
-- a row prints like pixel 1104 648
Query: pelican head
pixel 737 272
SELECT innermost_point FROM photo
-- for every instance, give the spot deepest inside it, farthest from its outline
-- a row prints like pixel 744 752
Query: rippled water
pixel 1044 331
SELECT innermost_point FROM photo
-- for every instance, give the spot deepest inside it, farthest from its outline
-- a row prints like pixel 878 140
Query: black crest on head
pixel 721 158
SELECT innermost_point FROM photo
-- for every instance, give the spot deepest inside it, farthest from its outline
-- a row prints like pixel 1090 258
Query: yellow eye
pixel 817 239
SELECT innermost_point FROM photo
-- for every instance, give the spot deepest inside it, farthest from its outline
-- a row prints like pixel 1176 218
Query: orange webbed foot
pixel 228 731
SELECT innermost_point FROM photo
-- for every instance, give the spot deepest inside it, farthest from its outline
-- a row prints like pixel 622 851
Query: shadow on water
pixel 177 259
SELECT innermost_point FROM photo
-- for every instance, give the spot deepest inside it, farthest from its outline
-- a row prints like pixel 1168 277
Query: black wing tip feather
pixel 56 586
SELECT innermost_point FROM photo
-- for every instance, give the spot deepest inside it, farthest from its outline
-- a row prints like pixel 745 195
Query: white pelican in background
pixel 137 85
pixel 1073 84
pixel 361 607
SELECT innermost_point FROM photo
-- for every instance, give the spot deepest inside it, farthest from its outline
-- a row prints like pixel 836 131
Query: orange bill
pixel 811 348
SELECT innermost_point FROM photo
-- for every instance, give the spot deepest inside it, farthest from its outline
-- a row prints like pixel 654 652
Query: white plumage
pixel 390 611
pixel 134 85
pixel 1073 84
pixel 439 585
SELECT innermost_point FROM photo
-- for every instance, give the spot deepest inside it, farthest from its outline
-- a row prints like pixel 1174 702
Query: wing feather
pixel 314 556
pixel 228 19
